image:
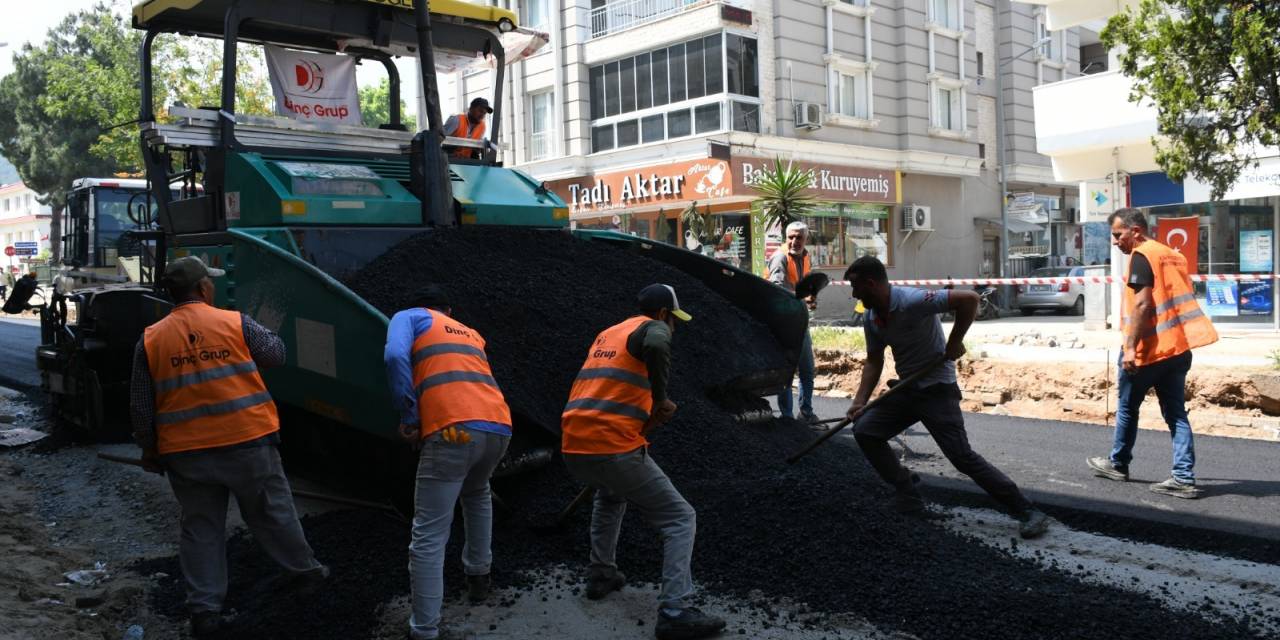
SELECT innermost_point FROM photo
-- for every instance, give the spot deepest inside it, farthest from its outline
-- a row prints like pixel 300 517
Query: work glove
pixel 455 435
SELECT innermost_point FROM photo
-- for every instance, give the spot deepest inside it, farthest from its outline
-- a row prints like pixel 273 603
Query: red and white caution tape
pixel 1198 277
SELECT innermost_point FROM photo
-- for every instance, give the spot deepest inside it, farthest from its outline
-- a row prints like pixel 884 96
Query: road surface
pixel 18 340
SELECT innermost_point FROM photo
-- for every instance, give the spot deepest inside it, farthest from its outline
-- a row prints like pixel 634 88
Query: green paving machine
pixel 291 208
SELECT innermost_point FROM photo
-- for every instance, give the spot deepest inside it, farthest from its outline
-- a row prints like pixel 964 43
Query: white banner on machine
pixel 314 87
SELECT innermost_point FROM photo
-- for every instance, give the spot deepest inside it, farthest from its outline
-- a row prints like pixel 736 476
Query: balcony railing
pixel 627 14
pixel 539 145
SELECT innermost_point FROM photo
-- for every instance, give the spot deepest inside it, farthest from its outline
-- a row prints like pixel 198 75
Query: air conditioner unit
pixel 916 218
pixel 808 115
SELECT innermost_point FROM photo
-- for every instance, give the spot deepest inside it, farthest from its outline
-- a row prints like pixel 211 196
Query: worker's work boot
pixel 1176 488
pixel 603 581
pixel 1103 467
pixel 1033 523
pixel 478 588
pixel 206 623
pixel 686 624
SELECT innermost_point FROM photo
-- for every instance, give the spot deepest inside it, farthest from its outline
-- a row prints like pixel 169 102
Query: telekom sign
pixel 1181 235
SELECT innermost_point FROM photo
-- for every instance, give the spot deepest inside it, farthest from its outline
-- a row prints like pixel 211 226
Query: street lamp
pixel 1000 144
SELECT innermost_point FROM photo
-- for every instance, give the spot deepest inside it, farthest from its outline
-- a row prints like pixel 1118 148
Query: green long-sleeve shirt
pixel 651 343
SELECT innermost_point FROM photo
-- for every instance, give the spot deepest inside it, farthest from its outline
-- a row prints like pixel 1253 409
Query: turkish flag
pixel 1181 235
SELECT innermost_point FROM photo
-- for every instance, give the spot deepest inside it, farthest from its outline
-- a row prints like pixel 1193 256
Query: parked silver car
pixel 1062 297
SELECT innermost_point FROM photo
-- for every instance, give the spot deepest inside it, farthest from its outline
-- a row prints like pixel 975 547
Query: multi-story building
pixel 22 219
pixel 638 108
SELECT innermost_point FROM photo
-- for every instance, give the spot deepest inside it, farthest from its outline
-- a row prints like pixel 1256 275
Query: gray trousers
pixel 448 473
pixel 202 482
pixel 634 477
pixel 937 406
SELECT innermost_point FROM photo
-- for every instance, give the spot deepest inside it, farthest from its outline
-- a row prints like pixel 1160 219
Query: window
pixel 602 138
pixel 628 74
pixel 981 67
pixel 1053 49
pixel 628 133
pixel 596 78
pixel 706 118
pixel 856 3
pixel 945 13
pixel 537 14
pixel 679 124
pixel 743 65
pixel 652 128
pixel 694 79
pixel 539 125
pixel 713 69
pixel 659 70
pixel 611 93
pixel 982 150
pixel 675 66
pixel 746 117
pixel 840 233
pixel 853 95
pixel 947 114
pixel 644 84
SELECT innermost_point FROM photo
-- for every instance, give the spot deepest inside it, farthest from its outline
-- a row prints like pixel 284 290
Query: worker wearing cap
pixel 906 320
pixel 1162 324
pixel 619 396
pixel 201 413
pixel 787 267
pixel 468 125
pixel 452 407
pixel 23 289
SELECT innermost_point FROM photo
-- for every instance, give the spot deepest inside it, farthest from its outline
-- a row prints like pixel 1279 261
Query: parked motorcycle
pixel 989 303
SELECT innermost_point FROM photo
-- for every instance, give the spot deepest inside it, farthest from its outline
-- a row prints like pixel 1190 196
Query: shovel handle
pixel 846 422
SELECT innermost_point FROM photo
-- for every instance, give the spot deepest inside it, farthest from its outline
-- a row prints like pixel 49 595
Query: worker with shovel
pixel 619 396
pixel 202 414
pixel 451 406
pixel 906 320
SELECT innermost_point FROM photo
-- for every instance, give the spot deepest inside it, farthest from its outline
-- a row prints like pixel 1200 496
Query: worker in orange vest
pixel 202 414
pixel 452 408
pixel 469 125
pixel 788 266
pixel 1162 324
pixel 618 398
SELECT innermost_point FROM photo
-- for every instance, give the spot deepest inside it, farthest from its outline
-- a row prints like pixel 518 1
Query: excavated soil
pixel 1221 402
pixel 816 533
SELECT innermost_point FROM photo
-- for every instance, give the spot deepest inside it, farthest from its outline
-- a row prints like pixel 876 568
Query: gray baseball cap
pixel 184 273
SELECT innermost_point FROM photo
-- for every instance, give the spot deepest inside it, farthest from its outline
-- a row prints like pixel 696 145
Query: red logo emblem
pixel 309 76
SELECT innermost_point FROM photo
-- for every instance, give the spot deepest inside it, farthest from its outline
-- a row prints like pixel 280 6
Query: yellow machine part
pixel 144 11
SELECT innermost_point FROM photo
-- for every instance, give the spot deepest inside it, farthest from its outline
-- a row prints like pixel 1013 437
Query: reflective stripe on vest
pixel 792 276
pixel 452 379
pixel 1180 323
pixel 465 130
pixel 610 400
pixel 208 390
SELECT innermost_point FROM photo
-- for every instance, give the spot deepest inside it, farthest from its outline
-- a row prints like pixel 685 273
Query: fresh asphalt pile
pixel 817 533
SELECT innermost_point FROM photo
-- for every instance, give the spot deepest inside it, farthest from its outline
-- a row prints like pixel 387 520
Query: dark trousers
pixel 938 408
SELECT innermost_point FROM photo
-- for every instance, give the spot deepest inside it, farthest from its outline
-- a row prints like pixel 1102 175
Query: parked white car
pixel 1062 298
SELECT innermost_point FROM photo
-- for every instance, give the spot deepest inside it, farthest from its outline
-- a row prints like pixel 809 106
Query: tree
pixel 375 106
pixel 1212 69
pixel 782 193
pixel 189 72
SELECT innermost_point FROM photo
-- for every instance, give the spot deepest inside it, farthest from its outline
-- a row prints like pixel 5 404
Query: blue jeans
pixel 805 369
pixel 1168 378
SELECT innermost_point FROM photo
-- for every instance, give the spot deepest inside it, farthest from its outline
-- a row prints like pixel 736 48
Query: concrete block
pixel 1238 421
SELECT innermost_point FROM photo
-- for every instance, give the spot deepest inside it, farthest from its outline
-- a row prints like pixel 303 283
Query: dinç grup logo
pixel 308 76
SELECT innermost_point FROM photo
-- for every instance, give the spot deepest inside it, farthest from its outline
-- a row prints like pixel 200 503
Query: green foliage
pixel 189 72
pixel 782 193
pixel 1212 69
pixel 844 339
pixel 1275 359
pixel 375 106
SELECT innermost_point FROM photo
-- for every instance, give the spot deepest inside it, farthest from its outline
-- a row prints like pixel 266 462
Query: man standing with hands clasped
pixel 619 396
pixel 788 266
pixel 906 320
pixel 1162 324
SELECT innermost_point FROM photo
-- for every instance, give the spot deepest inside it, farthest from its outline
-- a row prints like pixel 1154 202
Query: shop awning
pixel 1015 225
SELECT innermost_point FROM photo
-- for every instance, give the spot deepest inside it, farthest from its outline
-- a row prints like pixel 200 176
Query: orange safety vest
pixel 610 400
pixel 452 379
pixel 208 391
pixel 792 276
pixel 1181 324
pixel 465 130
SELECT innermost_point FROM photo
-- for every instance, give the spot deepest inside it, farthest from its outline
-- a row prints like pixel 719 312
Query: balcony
pixel 1088 127
pixel 614 17
pixel 539 146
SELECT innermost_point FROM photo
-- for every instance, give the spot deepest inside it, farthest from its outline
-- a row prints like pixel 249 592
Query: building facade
pixel 22 220
pixel 637 109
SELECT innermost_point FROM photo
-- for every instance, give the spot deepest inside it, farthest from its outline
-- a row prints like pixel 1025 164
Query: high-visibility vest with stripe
pixel 1181 324
pixel 610 400
pixel 452 379
pixel 794 276
pixel 208 391
pixel 465 130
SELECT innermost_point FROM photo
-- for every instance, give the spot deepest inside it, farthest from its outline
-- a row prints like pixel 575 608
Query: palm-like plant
pixel 782 193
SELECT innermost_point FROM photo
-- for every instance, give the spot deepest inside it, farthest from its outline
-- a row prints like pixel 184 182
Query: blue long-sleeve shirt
pixel 404 329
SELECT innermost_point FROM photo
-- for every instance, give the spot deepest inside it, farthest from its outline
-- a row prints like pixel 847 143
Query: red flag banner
pixel 1181 235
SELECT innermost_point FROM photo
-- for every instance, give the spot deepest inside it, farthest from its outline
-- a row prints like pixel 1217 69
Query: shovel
pixel 543 524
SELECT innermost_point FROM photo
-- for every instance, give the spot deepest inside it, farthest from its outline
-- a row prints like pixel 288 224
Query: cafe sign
pixel 826 182
pixel 705 179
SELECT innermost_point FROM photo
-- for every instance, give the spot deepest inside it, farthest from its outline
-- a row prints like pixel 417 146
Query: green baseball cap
pixel 184 273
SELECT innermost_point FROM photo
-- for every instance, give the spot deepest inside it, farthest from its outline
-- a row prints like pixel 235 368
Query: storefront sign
pixel 1220 298
pixel 1183 235
pixel 665 184
pixel 1098 202
pixel 826 182
pixel 1254 182
pixel 1256 250
pixel 1255 297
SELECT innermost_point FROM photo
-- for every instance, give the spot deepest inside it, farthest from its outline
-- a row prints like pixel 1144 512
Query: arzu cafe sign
pixel 711 179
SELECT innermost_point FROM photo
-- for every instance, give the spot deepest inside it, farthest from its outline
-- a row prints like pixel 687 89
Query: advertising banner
pixel 314 87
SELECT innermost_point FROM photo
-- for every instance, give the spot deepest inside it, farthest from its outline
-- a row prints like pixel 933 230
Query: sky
pixel 30 21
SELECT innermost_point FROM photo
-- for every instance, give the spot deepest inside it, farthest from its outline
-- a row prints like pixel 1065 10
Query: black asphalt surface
pixel 1240 478
pixel 18 340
